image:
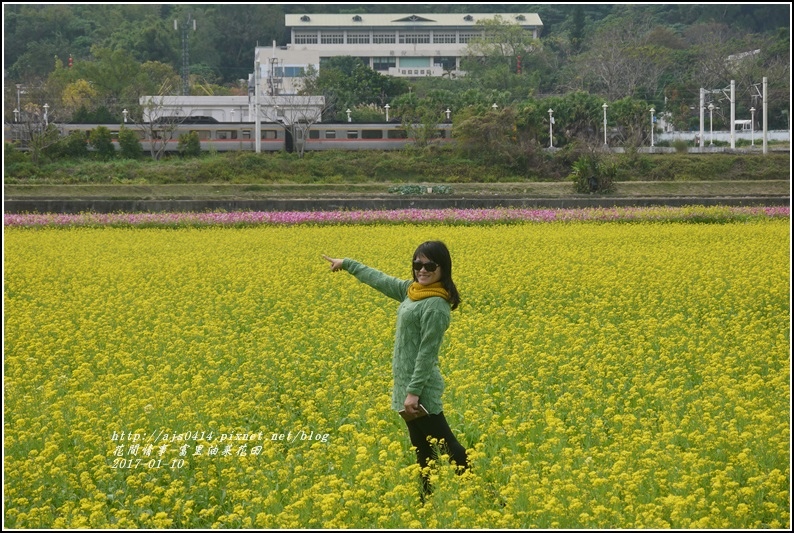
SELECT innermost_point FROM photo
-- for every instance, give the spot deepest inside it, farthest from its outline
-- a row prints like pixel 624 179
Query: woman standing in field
pixel 422 318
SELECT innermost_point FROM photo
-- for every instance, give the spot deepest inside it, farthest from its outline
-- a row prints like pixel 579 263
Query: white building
pixel 284 108
pixel 395 44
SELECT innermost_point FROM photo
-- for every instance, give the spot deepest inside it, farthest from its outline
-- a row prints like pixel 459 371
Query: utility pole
pixel 186 52
pixel 762 95
pixel 258 125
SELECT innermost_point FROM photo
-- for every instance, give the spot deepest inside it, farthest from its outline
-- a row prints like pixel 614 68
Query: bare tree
pixel 621 61
pixel 297 114
pixel 157 126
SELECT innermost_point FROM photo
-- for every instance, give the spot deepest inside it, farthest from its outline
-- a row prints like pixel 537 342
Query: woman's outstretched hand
pixel 336 264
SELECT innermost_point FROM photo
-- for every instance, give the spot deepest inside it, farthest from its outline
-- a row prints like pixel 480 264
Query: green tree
pixel 633 120
pixel 347 83
pixel 102 142
pixel 499 59
pixel 129 144
pixel 488 136
pixel 577 29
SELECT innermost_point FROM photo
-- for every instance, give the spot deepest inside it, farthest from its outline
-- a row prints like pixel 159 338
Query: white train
pixel 224 137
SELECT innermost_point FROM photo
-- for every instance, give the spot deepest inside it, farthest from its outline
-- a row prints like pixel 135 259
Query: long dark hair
pixel 438 252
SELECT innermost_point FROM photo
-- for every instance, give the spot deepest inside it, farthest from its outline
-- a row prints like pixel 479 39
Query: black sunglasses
pixel 429 266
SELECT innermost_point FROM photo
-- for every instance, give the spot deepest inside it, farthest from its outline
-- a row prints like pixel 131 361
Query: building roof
pixel 416 20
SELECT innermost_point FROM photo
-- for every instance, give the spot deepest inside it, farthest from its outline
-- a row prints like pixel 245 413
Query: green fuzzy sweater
pixel 420 331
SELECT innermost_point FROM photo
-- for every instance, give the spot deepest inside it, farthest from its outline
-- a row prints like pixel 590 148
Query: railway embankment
pixel 292 197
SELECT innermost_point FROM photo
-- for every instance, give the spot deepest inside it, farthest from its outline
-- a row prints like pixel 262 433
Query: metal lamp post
pixel 387 107
pixel 711 124
pixel 447 112
pixel 605 122
pixel 348 115
pixel 125 113
pixel 16 115
pixel 652 112
pixel 752 126
pixel 551 128
pixel 46 110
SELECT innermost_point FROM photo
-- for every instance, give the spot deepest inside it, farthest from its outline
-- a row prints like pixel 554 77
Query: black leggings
pixel 436 426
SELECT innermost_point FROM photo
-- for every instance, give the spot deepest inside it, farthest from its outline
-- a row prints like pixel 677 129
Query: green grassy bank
pixel 410 166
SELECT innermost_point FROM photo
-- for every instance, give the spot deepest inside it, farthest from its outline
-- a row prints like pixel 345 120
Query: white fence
pixel 723 136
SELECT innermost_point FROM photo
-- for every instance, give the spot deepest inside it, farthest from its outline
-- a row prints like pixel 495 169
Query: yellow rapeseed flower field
pixel 600 375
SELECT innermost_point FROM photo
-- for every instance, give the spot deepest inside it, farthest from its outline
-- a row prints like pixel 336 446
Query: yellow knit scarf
pixel 417 291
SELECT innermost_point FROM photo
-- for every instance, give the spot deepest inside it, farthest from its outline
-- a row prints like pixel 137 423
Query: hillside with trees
pixel 89 62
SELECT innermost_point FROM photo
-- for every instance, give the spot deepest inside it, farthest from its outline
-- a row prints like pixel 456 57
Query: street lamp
pixel 125 112
pixel 711 124
pixel 447 112
pixel 605 122
pixel 16 115
pixel 46 109
pixel 19 89
pixel 652 112
pixel 348 115
pixel 387 107
pixel 752 126
pixel 551 130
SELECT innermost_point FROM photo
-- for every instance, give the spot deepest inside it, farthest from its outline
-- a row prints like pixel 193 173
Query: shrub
pixel 189 145
pixel 593 175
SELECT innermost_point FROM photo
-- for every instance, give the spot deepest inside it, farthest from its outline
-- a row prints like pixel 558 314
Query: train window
pixel 226 134
pixel 330 134
pixel 441 134
pixel 246 134
pixel 314 134
pixel 269 134
pixel 352 134
pixel 372 134
pixel 202 134
pixel 398 134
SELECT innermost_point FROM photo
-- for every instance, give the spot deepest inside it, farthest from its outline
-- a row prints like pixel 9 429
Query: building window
pixel 306 38
pixel 415 62
pixel 447 63
pixel 441 38
pixel 465 37
pixel 383 64
pixel 290 72
pixel 414 38
pixel 383 38
pixel 358 38
pixel 332 38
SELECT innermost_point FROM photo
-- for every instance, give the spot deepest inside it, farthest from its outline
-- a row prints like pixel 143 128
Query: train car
pixel 241 136
pixel 374 136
